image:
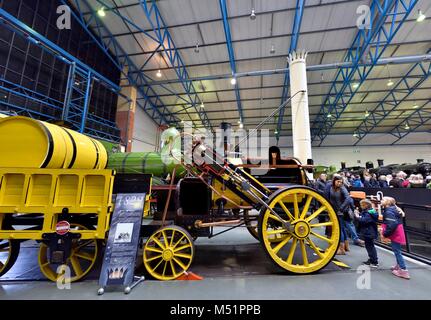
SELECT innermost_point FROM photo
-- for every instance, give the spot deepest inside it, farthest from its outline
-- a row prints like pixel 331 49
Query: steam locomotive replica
pixel 52 177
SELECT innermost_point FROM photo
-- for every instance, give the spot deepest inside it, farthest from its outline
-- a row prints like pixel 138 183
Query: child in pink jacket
pixel 392 228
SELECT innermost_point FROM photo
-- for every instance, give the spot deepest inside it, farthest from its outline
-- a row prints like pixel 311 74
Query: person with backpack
pixel 392 229
pixel 367 220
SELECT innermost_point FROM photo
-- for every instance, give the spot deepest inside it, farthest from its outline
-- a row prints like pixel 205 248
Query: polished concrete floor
pixel 234 267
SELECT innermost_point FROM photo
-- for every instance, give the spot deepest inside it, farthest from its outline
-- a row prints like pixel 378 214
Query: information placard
pixel 123 241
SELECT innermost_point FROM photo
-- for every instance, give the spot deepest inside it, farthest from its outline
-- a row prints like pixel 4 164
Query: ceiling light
pixel 241 125
pixel 355 85
pixel 253 14
pixel 407 127
pixel 276 132
pixel 390 83
pixel 101 12
pixel 202 105
pixel 421 17
pixel 415 106
pixel 272 51
pixel 182 121
pixel 367 114
pixel 355 135
pixel 197 48
pixel 239 121
pixel 159 74
pixel 328 115
pixel 233 81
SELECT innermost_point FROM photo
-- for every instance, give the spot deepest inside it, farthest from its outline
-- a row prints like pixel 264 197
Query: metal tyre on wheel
pixel 251 224
pixel 168 253
pixel 307 245
pixel 80 262
pixel 9 250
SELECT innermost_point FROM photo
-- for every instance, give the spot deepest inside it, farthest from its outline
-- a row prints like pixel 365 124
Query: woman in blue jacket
pixel 341 201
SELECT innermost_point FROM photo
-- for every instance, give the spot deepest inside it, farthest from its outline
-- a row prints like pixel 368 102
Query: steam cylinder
pixel 29 143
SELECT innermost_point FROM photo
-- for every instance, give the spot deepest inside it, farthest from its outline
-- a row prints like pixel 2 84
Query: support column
pixel 125 117
pixel 299 105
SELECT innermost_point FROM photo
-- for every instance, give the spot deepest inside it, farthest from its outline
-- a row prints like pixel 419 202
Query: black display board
pixel 123 241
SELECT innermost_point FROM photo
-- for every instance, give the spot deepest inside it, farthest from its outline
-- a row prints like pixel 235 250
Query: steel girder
pixel 164 38
pixel 299 12
pixel 414 121
pixel 227 33
pixel 79 104
pixel 412 79
pixel 155 108
pixel 367 44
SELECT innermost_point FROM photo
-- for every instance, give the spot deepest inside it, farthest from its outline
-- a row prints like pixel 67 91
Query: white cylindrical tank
pixel 300 116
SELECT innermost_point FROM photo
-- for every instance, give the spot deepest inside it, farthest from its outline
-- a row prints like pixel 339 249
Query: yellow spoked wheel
pixel 9 250
pixel 168 253
pixel 312 235
pixel 82 258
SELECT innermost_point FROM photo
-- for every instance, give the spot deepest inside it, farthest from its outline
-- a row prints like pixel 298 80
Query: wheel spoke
pixel 277 231
pixel 321 237
pixel 158 243
pixel 1 265
pixel 275 218
pixel 84 255
pixel 164 268
pixel 282 205
pixel 153 249
pixel 172 237
pixel 281 244
pixel 157 265
pixel 292 251
pixel 76 265
pixel 306 207
pixel 165 238
pixel 304 253
pixel 178 242
pixel 84 244
pixel 183 255
pixel 172 267
pixel 323 224
pixel 154 258
pixel 313 246
pixel 178 262
pixel 295 205
pixel 4 250
pixel 188 245
pixel 315 213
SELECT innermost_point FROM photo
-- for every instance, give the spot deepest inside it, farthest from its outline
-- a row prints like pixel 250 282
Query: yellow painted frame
pixel 92 195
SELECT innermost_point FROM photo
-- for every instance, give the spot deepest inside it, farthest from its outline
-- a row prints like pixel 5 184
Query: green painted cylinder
pixel 143 162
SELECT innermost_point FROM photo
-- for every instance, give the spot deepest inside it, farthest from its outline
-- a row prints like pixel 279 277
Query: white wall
pixel 375 147
pixel 144 132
